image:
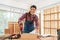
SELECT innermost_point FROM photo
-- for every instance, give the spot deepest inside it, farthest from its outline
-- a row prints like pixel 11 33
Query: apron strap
pixel 26 17
pixel 33 19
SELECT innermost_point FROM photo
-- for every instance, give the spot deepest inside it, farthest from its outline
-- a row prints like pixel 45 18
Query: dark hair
pixel 33 6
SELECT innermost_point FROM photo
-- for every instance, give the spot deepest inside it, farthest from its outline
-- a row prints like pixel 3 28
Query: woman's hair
pixel 33 6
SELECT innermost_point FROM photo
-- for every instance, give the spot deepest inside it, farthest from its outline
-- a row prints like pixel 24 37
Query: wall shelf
pixel 51 20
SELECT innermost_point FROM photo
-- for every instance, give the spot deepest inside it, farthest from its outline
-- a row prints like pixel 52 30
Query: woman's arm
pixel 36 22
pixel 21 18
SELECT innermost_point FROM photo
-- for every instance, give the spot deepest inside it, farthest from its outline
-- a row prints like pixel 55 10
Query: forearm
pixel 36 23
pixel 21 18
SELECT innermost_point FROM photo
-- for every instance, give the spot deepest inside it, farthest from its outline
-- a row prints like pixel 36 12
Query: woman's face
pixel 32 10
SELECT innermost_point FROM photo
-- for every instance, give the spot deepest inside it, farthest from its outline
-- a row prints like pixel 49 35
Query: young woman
pixel 30 18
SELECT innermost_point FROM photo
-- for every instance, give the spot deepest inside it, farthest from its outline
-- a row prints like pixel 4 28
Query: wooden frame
pixel 39 23
pixel 54 19
pixel 13 28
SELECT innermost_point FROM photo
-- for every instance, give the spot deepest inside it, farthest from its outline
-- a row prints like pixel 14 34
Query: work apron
pixel 28 26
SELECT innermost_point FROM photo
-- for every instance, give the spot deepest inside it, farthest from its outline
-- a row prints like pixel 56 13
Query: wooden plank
pixel 27 35
pixel 16 28
pixel 39 30
pixel 47 31
pixel 7 31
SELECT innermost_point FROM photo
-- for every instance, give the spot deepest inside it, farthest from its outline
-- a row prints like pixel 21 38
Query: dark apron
pixel 28 27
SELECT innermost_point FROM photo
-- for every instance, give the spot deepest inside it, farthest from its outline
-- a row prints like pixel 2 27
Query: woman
pixel 30 18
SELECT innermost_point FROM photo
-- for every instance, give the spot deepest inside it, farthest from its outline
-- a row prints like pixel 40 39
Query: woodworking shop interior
pixel 48 12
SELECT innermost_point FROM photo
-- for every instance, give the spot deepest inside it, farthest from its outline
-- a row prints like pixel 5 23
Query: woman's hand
pixel 37 31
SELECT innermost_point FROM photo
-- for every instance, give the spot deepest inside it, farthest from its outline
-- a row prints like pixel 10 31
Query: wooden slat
pixel 16 28
pixel 39 24
pixel 7 31
pixel 54 19
pixel 27 35
pixel 11 28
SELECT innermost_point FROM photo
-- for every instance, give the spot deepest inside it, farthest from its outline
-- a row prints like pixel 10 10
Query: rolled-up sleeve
pixel 36 22
pixel 21 18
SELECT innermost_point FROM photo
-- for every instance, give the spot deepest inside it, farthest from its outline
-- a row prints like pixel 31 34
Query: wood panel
pixel 7 31
pixel 54 32
pixel 39 29
pixel 47 31
pixel 59 8
pixel 47 24
pixel 47 38
pixel 54 24
pixel 13 27
pixel 53 17
pixel 51 21
pixel 16 28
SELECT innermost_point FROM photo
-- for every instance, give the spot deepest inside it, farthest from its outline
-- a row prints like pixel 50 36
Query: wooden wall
pixel 51 20
pixel 13 27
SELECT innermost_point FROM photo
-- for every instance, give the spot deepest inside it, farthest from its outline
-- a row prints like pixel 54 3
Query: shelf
pixel 51 13
pixel 50 20
pixel 49 28
pixel 46 14
pixel 47 31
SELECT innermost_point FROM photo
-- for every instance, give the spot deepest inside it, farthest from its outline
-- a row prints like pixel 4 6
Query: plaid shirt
pixel 29 17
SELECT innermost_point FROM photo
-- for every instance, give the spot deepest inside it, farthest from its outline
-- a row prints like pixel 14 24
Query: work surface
pixel 27 36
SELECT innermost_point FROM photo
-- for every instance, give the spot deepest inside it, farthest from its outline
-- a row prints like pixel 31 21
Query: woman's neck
pixel 31 13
